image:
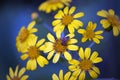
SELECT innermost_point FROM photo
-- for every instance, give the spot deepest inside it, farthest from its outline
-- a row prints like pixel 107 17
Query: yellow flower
pixel 66 18
pixel 89 33
pixel 33 54
pixel 86 64
pixel 17 75
pixel 110 21
pixel 53 5
pixel 25 35
pixel 60 46
pixel 67 76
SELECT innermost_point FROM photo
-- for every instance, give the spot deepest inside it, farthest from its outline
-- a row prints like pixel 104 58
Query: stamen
pixel 33 52
pixel 67 19
pixel 90 33
pixel 23 35
pixel 86 65
pixel 16 78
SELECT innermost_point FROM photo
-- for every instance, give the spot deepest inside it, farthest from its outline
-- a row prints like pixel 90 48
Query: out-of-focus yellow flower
pixel 61 76
pixel 17 75
pixel 66 18
pixel 34 15
pixel 53 5
pixel 89 33
pixel 25 35
pixel 33 54
pixel 60 46
pixel 110 21
pixel 86 64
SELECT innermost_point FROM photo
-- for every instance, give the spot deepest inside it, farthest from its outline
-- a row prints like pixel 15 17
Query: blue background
pixel 17 13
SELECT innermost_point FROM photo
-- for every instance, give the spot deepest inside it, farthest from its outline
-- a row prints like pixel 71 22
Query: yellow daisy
pixel 53 5
pixel 25 35
pixel 17 75
pixel 110 21
pixel 61 76
pixel 33 54
pixel 66 18
pixel 86 64
pixel 60 46
pixel 89 33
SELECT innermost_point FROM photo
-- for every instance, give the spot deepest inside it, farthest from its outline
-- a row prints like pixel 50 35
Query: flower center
pixel 60 45
pixel 67 19
pixel 23 35
pixel 16 78
pixel 90 33
pixel 33 52
pixel 114 20
pixel 53 1
pixel 85 64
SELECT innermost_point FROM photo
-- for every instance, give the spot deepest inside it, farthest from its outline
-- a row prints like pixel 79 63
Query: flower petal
pixel 72 41
pixel 67 55
pixel 24 56
pixel 81 53
pixel 31 25
pixel 56 57
pixel 96 69
pixel 72 10
pixel 50 54
pixel 67 75
pixel 94 56
pixel 40 61
pixel 99 37
pixel 78 15
pixel 25 77
pixel 16 70
pixel 54 77
pixel 93 74
pixel 72 47
pixel 61 74
pixel 111 11
pixel 58 34
pixel 40 42
pixel 8 78
pixel 96 40
pixel 115 31
pixel 11 73
pixel 99 32
pixel 33 64
pixel 21 72
pixel 65 10
pixel 87 52
pixel 50 37
pixel 70 28
pixel 55 22
pixel 105 23
pixel 82 75
pixel 59 15
pixel 84 39
pixel 81 31
pixel 102 13
pixel 97 60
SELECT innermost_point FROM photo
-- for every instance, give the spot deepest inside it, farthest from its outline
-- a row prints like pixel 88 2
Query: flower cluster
pixel 63 43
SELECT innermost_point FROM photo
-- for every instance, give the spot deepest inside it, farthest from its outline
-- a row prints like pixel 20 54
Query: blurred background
pixel 17 13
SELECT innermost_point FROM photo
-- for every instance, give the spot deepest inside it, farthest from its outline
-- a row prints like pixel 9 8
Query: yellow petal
pixel 50 54
pixel 99 32
pixel 50 37
pixel 67 55
pixel 11 73
pixel 65 10
pixel 87 53
pixel 78 15
pixel 59 15
pixel 49 47
pixel 54 77
pixel 72 41
pixel 56 57
pixel 115 31
pixel 32 41
pixel 96 40
pixel 24 56
pixel 84 39
pixel 44 60
pixel 58 34
pixel 40 62
pixel 77 23
pixel 93 74
pixel 67 75
pixel 105 23
pixel 8 78
pixel 96 69
pixel 73 61
pixel 40 42
pixel 61 74
pixel 33 30
pixel 28 66
pixel 76 73
pixel 81 53
pixel 31 25
pixel 102 13
pixel 72 68
pixel 82 75
pixel 81 31
pixel 70 28
pixel 72 10
pixel 70 35
pixel 72 47
pixel 111 11
pixel 99 37
pixel 21 72
pixel 94 56
pixel 25 77
pixel 55 22
pixel 97 60
pixel 16 70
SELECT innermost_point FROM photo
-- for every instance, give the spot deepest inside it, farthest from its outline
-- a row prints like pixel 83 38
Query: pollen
pixel 114 20
pixel 86 65
pixel 33 52
pixel 23 35
pixel 16 78
pixel 89 33
pixel 59 47
pixel 67 19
